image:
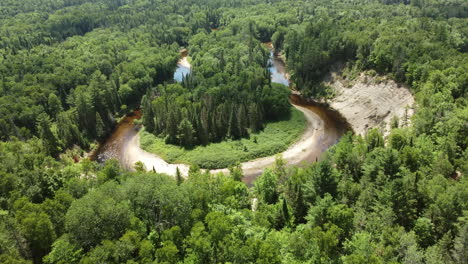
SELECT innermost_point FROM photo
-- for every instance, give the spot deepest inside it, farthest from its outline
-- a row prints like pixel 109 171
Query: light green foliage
pixel 360 249
pixel 88 221
pixel 321 179
pixel 460 246
pixel 63 251
pixel 266 186
pixel 36 227
pixel 374 139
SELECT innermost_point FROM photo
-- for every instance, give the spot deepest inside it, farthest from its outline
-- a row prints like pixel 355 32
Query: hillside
pixel 371 102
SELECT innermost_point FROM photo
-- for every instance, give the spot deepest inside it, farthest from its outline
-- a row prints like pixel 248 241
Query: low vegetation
pixel 274 138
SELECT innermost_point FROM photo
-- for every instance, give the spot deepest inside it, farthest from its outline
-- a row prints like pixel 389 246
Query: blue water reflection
pixel 277 69
pixel 180 72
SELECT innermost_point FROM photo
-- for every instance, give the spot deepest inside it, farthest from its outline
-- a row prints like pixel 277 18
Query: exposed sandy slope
pixel 368 102
pixel 184 62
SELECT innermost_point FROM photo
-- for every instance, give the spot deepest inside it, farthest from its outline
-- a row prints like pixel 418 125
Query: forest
pixel 71 69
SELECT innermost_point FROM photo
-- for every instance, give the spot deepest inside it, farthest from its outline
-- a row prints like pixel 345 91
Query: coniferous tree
pixel 148 114
pixel 171 127
pixel 100 127
pixel 179 178
pixel 234 130
pixel 300 206
pixel 242 121
pixel 186 133
pixel 49 140
pixel 460 247
pixel 54 105
pixel 285 211
pixel 255 119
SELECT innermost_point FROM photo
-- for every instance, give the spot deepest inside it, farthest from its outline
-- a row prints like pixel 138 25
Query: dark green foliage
pixel 217 102
pixel 321 179
pixel 186 133
pixel 69 68
pixel 49 139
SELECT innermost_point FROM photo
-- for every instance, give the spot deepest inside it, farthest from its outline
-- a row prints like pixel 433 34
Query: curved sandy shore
pixel 318 136
pixel 301 151
pixel 133 153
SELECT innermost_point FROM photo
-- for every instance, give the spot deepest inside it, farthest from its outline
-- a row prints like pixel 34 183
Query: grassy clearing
pixel 275 138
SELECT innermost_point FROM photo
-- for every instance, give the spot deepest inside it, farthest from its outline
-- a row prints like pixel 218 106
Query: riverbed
pixel 324 128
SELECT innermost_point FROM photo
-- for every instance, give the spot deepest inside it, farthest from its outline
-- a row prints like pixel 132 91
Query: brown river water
pixel 325 128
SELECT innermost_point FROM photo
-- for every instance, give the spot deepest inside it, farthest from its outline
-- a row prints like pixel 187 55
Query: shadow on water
pixel 114 146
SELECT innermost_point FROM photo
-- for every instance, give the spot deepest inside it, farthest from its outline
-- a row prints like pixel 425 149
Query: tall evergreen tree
pixel 171 128
pixel 186 133
pixel 54 105
pixel 179 178
pixel 49 140
pixel 100 127
pixel 234 130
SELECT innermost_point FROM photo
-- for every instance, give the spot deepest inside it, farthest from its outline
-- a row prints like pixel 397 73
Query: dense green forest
pixel 71 68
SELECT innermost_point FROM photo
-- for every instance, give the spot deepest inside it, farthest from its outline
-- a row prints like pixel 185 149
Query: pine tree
pixel 255 118
pixel 54 105
pixel 285 211
pixel 186 133
pixel 460 246
pixel 179 178
pixel 220 122
pixel 233 124
pixel 300 207
pixel 148 114
pixel 242 122
pixel 203 126
pixel 97 90
pixel 49 141
pixel 100 127
pixel 85 111
pixel 222 61
pixel 171 128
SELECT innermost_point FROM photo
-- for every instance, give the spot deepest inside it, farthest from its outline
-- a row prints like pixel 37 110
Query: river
pixel 325 127
pixel 183 67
